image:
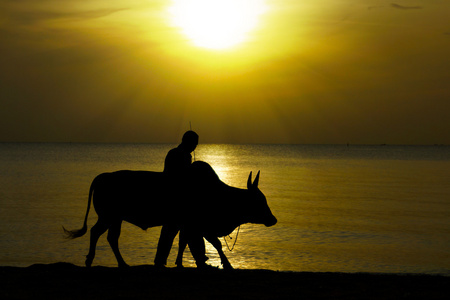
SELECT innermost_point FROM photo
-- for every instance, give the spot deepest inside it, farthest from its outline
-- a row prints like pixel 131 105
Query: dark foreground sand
pixel 67 281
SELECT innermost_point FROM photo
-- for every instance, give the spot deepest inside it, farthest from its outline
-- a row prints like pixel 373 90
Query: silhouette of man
pixel 176 167
pixel 179 159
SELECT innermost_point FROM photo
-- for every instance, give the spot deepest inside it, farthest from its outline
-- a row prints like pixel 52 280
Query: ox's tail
pixel 72 234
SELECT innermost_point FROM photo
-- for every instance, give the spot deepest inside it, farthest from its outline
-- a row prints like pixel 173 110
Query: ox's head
pixel 258 211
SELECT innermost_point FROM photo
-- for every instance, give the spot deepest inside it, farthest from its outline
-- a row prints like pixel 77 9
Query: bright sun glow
pixel 216 24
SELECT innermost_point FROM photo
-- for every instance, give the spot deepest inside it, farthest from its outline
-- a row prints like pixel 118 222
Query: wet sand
pixel 67 281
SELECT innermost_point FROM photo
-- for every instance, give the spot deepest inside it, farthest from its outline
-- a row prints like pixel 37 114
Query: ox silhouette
pixel 202 205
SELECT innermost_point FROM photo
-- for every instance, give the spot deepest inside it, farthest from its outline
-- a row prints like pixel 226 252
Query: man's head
pixel 190 140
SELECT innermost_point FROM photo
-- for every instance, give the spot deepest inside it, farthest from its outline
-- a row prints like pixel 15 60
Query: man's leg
pixel 168 234
pixel 197 246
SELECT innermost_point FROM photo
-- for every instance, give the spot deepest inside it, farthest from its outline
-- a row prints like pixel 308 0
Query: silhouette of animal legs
pixel 218 245
pixel 196 245
pixel 113 239
pixel 96 231
pixel 213 241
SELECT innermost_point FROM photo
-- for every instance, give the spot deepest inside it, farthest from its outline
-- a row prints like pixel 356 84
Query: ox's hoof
pixel 88 261
pixel 160 266
pixel 227 267
pixel 123 266
pixel 205 267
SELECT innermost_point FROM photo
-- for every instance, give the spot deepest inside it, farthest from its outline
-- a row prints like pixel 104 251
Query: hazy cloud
pixel 31 17
pixel 88 14
pixel 375 7
pixel 398 6
pixel 394 5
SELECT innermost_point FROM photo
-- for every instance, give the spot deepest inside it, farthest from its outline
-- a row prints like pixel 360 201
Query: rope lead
pixel 235 240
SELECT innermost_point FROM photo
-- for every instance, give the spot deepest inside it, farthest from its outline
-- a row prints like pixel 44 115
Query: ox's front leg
pixel 218 245
pixel 113 239
pixel 198 247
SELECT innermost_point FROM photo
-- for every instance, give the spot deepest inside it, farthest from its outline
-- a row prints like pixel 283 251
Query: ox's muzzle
pixel 271 221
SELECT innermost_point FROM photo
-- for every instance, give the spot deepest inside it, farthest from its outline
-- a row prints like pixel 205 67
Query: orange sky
pixel 310 71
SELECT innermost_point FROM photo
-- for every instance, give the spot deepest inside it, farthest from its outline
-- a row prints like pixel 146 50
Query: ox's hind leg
pixel 113 239
pixel 218 245
pixel 182 243
pixel 96 231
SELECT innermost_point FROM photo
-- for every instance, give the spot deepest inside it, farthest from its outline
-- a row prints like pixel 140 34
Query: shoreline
pixel 68 281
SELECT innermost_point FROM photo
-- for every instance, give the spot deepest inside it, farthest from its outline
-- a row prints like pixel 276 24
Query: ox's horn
pixel 249 181
pixel 255 183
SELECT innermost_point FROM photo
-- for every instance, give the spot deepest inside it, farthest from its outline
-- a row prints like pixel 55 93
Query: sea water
pixel 339 208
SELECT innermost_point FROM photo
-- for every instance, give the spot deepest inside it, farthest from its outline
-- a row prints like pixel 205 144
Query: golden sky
pixel 299 71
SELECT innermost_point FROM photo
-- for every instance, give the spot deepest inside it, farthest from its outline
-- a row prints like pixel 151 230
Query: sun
pixel 216 24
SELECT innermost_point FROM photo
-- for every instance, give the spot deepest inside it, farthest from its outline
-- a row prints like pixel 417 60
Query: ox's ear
pixel 255 183
pixel 249 181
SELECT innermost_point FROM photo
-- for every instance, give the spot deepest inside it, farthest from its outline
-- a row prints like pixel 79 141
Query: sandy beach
pixel 67 281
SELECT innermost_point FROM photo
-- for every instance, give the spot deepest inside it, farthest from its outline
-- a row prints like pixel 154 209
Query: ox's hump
pixel 203 172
